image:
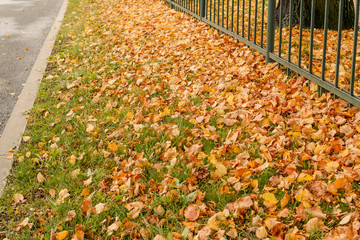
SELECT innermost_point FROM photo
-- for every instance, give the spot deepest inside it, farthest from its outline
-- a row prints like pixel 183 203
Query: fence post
pixel 270 30
pixel 202 9
pixel 171 4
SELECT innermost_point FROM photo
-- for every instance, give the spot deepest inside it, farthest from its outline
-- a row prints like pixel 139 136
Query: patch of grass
pixel 263 178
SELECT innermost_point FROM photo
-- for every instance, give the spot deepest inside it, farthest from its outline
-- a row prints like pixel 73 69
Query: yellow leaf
pixel 40 177
pixel 72 159
pixel 130 116
pixel 261 232
pixel 331 166
pixel 303 177
pixel 215 221
pixel 230 99
pixel 90 127
pixel 166 111
pixel 269 200
pixel 221 170
pixel 62 235
pixel 303 195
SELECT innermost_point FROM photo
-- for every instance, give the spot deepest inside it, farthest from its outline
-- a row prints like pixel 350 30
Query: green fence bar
pixel 353 62
pixel 338 49
pixel 326 23
pixel 224 11
pixel 312 21
pixel 270 30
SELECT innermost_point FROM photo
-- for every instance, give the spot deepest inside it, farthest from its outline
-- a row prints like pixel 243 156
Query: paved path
pixel 24 26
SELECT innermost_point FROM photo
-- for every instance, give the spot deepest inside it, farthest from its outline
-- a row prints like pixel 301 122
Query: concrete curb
pixel 16 124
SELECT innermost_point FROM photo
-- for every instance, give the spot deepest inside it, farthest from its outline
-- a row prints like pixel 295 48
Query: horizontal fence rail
pixel 329 56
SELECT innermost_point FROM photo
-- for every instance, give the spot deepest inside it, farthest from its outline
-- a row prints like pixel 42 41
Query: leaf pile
pixel 152 125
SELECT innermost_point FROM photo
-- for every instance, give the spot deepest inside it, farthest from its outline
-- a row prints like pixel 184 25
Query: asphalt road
pixel 24 25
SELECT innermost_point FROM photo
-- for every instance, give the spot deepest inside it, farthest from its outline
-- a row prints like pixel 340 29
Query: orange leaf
pixel 192 212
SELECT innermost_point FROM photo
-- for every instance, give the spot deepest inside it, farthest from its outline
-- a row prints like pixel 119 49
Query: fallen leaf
pixel 100 207
pixel 40 178
pixel 18 198
pixel 269 200
pixel 261 232
pixel 61 235
pixel 192 212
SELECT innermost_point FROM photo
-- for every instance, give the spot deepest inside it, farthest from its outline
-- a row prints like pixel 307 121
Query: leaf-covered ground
pixel 152 125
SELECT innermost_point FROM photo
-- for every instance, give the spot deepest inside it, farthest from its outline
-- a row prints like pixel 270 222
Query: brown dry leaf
pixel 170 154
pixel 70 215
pixel 100 207
pixel 313 224
pixel 87 207
pixel 88 181
pixel 90 127
pixel 25 138
pixel 63 194
pixel 244 203
pixel 345 220
pixel 23 224
pixel 284 201
pixel 192 212
pixel 204 233
pixel 159 237
pixel 135 209
pixel 221 170
pixel 113 227
pixel 261 232
pixel 52 192
pixel 79 232
pixel 18 198
pixel 332 166
pixel 40 178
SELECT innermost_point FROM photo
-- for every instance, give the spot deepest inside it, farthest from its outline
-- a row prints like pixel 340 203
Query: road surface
pixel 24 25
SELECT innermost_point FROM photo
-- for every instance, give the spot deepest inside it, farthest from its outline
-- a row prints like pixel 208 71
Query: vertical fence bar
pixel 301 31
pixel 262 23
pixel 202 9
pixel 353 62
pixel 218 12
pixel 227 14
pixel 326 22
pixel 243 19
pixel 255 24
pixel 232 15
pixel 214 11
pixel 280 28
pixel 290 33
pixel 312 21
pixel 223 11
pixel 237 19
pixel 338 49
pixel 210 10
pixel 249 20
pixel 270 30
pixel 171 4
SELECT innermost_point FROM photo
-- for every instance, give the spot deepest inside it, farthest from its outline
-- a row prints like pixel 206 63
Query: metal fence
pixel 322 56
